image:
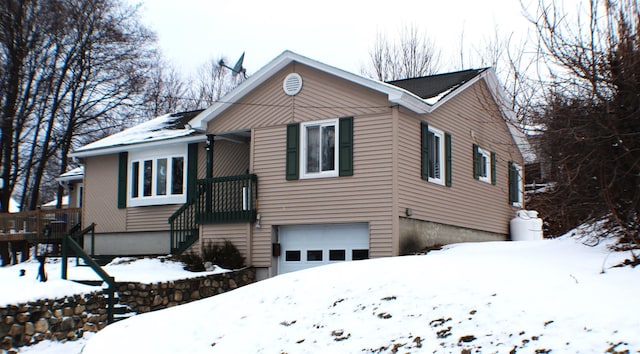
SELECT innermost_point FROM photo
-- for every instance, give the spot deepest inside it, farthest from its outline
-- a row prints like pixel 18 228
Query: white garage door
pixel 306 246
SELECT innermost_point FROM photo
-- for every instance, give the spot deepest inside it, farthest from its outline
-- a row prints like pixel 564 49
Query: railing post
pixel 64 257
pixel 93 240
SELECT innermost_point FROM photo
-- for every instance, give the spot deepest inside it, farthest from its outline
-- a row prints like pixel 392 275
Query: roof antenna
pixel 237 69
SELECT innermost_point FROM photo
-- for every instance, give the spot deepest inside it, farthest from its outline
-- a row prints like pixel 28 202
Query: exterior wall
pixel 471 117
pixel 230 158
pixel 101 197
pixel 364 197
pixel 237 233
pixel 417 235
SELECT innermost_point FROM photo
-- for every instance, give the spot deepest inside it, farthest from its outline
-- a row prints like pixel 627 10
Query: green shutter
pixel 477 160
pixel 345 147
pixel 293 143
pixel 192 170
pixel 513 183
pixel 122 179
pixel 493 168
pixel 447 158
pixel 424 151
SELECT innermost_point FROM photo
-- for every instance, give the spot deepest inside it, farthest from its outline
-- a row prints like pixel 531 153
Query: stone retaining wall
pixel 68 318
pixel 55 319
pixel 150 297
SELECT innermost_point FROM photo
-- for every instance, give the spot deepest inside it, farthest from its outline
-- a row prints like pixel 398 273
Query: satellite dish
pixel 237 68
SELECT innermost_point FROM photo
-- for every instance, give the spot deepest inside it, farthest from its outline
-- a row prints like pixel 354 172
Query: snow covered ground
pixel 535 296
pixel 149 270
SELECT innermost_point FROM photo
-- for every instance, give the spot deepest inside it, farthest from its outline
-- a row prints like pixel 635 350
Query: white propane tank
pixel 526 226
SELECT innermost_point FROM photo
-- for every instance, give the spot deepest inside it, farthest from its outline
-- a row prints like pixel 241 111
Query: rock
pixel 9 320
pixel 22 317
pixel 67 324
pixel 6 343
pixel 16 330
pixel 29 329
pixel 67 311
pixel 157 300
pixel 41 326
pixel 177 296
pixel 57 313
pixel 79 309
pixel 195 295
pixel 232 284
pixel 90 327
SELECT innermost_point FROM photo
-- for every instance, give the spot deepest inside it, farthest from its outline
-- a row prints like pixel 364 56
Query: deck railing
pixel 227 199
pixel 38 225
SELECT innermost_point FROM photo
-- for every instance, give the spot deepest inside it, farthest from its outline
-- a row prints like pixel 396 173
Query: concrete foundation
pixel 418 235
pixel 129 243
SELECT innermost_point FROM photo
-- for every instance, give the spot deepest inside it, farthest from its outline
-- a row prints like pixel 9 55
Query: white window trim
pixel 140 156
pixel 440 134
pixel 303 150
pixel 519 203
pixel 487 165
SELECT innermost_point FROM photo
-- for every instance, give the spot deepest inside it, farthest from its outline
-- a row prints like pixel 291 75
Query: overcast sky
pixel 339 33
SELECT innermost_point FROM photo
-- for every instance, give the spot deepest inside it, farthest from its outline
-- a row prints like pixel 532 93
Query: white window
pixel 319 157
pixel 516 185
pixel 157 176
pixel 435 142
pixel 484 165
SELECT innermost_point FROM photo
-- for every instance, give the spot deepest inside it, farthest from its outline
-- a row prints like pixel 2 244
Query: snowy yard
pixel 536 296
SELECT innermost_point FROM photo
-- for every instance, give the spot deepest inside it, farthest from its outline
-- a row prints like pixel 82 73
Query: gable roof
pixel 433 88
pixel 157 130
pixel 420 95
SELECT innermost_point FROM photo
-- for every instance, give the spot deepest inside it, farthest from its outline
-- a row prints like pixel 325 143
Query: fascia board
pixel 138 146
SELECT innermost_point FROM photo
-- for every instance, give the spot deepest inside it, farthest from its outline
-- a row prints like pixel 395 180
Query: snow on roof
pixel 54 203
pixel 168 126
pixel 72 175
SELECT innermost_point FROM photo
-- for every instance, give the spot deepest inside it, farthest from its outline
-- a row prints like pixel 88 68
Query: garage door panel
pixel 305 246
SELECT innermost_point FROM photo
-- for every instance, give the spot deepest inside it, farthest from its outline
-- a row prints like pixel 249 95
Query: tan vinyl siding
pixel 150 218
pixel 236 233
pixel 101 197
pixel 471 117
pixel 322 97
pixel 230 158
pixel 202 161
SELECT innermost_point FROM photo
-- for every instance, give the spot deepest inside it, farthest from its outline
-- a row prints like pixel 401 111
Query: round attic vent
pixel 292 84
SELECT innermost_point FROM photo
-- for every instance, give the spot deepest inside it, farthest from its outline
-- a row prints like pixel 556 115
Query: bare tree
pixel 413 54
pixel 165 91
pixel 72 68
pixel 591 115
pixel 211 82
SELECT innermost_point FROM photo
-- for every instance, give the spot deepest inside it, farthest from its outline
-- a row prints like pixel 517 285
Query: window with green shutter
pixel 515 184
pixel 320 149
pixel 484 165
pixel 435 155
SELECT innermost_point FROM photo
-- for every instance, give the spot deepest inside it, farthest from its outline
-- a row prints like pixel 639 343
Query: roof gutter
pixel 139 146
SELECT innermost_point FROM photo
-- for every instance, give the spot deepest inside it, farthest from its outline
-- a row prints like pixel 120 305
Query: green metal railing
pixel 218 200
pixel 184 229
pixel 68 244
pixel 227 199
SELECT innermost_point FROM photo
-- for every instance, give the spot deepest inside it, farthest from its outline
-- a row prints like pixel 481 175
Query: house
pixel 306 164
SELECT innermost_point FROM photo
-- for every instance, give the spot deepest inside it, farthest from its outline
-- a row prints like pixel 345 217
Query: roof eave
pixel 138 146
